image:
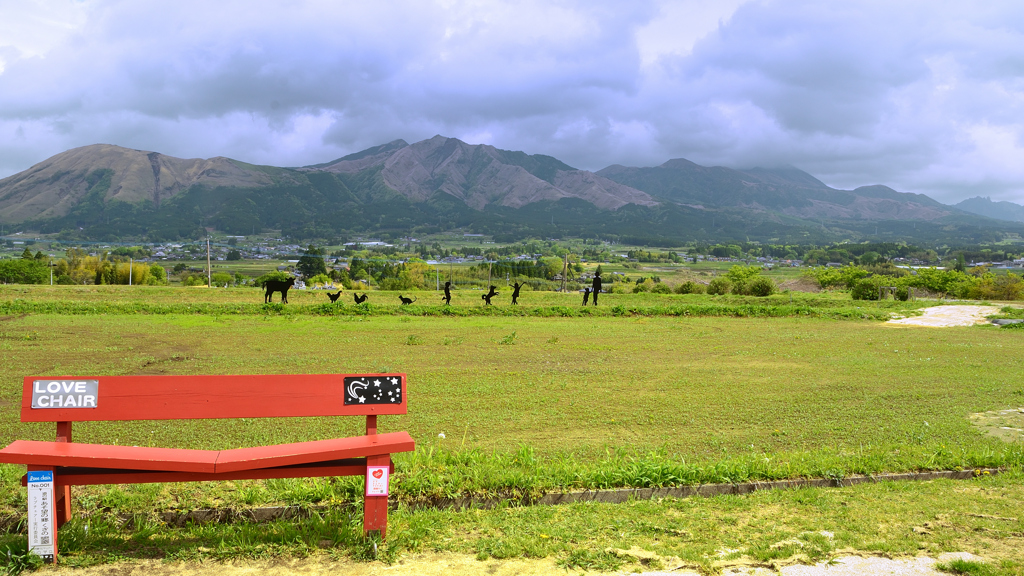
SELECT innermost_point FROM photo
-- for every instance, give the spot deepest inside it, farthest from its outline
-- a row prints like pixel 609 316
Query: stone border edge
pixel 13 523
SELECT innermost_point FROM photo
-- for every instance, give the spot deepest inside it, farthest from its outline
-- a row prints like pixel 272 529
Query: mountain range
pixel 108 192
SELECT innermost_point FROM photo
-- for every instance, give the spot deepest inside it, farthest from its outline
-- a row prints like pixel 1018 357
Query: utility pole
pixel 565 270
pixel 488 274
pixel 131 264
pixel 209 274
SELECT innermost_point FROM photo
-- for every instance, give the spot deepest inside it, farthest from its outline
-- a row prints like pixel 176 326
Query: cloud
pixel 922 96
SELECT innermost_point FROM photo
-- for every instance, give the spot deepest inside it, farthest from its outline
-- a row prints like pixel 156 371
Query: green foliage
pixel 719 286
pixel 949 282
pixel 311 263
pixel 319 280
pixel 741 273
pixel 234 255
pixel 24 271
pixel 967 567
pixel 690 287
pixel 27 254
pixel 992 287
pixel 16 558
pixel 761 286
pixel 222 279
pixel 157 274
pixel 868 288
pixel 274 275
pixel 661 288
pixel 837 277
pixel 194 280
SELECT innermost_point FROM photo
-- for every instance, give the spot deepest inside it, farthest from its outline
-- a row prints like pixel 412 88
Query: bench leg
pixel 63 503
pixel 375 508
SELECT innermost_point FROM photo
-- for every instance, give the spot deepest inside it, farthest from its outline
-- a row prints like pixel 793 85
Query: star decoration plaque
pixel 373 390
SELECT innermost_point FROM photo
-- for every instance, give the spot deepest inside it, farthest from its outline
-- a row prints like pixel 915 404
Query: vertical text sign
pixel 377 480
pixel 41 525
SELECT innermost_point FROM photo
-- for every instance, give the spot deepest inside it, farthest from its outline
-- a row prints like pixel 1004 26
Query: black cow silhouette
pixel 334 297
pixel 586 295
pixel 406 300
pixel 447 293
pixel 490 294
pixel 281 286
pixel 515 292
pixel 359 299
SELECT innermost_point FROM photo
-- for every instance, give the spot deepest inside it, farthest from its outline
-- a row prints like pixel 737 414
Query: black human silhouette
pixel 281 286
pixel 334 297
pixel 359 299
pixel 597 287
pixel 515 292
pixel 406 300
pixel 490 294
pixel 447 293
pixel 586 295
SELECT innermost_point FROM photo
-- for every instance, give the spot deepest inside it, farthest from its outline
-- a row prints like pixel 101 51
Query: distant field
pixel 712 397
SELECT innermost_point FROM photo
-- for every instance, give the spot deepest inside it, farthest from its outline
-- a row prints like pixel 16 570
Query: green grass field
pixel 534 403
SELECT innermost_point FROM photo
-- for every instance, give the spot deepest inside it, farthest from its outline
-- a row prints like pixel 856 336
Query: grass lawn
pixel 529 404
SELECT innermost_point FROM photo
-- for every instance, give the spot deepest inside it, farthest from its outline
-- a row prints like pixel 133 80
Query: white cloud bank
pixel 923 96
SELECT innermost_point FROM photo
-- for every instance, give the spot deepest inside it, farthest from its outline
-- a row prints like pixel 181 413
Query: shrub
pixel 719 286
pixel 761 286
pixel 319 280
pixel 867 288
pixel 902 293
pixel 690 287
pixel 661 288
pixel 222 279
pixel 645 286
pixel 275 275
pixel 193 281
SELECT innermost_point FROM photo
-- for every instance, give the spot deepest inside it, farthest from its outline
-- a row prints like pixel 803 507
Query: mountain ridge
pixel 984 206
pixel 439 183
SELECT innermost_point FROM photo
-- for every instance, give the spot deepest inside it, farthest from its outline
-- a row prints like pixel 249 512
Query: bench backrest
pixel 91 398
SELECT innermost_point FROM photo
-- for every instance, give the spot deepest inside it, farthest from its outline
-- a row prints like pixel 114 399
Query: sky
pixel 923 96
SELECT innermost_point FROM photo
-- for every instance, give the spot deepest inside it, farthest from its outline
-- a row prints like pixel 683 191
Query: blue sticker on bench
pixel 40 476
pixel 373 390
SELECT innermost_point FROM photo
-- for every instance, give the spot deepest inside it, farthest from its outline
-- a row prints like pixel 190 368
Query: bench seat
pixel 80 476
pixel 77 454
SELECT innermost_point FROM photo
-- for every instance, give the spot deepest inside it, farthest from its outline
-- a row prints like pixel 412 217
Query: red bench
pixel 58 465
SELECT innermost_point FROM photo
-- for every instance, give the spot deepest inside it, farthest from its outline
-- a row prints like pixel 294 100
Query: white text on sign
pixel 65 393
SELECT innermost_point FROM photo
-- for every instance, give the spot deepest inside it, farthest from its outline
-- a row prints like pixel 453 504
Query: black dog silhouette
pixel 490 294
pixel 406 300
pixel 334 297
pixel 586 295
pixel 281 286
pixel 447 293
pixel 359 299
pixel 515 292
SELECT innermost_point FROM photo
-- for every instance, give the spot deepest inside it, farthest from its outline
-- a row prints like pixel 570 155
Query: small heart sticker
pixel 378 473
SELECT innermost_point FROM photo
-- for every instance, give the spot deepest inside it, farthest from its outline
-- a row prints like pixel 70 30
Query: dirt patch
pixel 1007 425
pixel 947 316
pixel 800 285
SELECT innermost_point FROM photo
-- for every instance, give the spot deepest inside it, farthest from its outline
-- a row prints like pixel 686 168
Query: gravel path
pixel 946 316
